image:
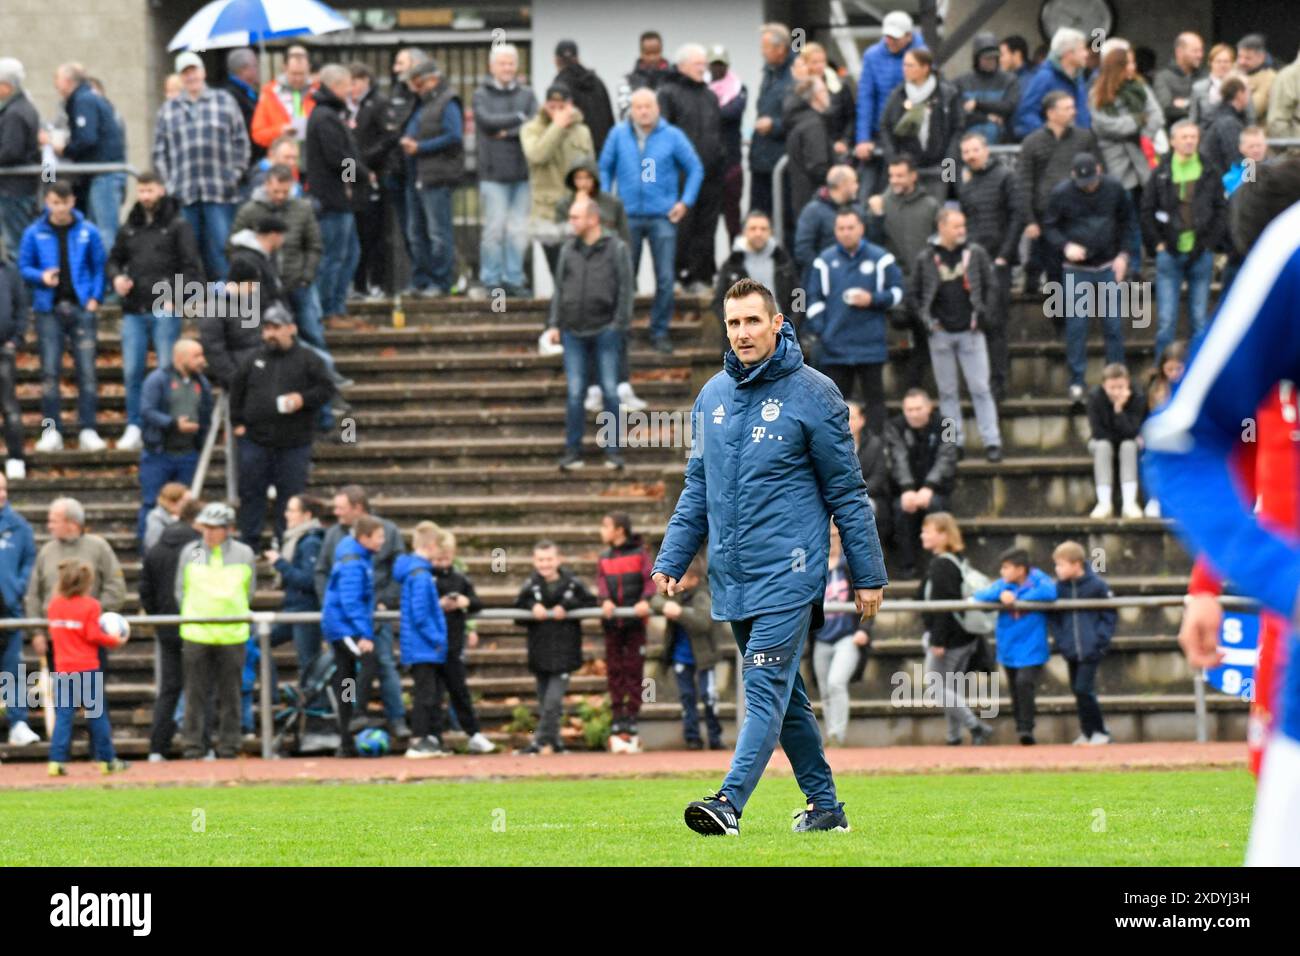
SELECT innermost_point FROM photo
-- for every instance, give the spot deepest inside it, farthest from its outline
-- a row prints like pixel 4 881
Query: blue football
pixel 373 742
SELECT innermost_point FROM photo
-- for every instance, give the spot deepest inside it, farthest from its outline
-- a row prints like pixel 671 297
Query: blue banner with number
pixel 1239 642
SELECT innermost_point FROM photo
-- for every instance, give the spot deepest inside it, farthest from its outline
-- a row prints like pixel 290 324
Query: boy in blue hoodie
pixel 423 640
pixel 347 619
pixel 1082 637
pixel 1021 635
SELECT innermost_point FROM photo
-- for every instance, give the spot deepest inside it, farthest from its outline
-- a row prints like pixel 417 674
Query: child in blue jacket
pixel 1021 635
pixel 1082 637
pixel 423 640
pixel 348 622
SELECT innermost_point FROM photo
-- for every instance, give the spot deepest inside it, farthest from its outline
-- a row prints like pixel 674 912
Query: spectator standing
pixel 154 246
pixel 1021 635
pixel 1115 415
pixel 1082 637
pixel 201 150
pixel 458 599
pixel 283 152
pixel 841 113
pixel 17 558
pixel 336 177
pixel 66 523
pixel 285 103
pixel 583 178
pixel 13 339
pixel 989 95
pixel 623 580
pixel 1063 70
pixel 433 141
pixel 502 105
pixel 590 96
pixel 1088 219
pixel 991 200
pixel 1173 82
pixel 881 73
pixel 20 130
pixel 388 157
pixel 350 505
pixel 949 647
pixel 1252 150
pixel 873 456
pixel 767 144
pixel 158 596
pixel 229 340
pixel 367 107
pixel 274 397
pixel 816 227
pixel 94 136
pixel 1221 135
pixel 691 652
pixel 756 255
pixel 1256 65
pixel 839 647
pixel 807 142
pixel 732 97
pixel 1013 57
pixel 554 639
pixel 923 118
pixel 176 409
pixel 171 501
pixel 687 102
pixel 552 141
pixel 242 74
pixel 1207 92
pixel 423 641
pixel 62 260
pixel 1185 221
pixel 650 68
pixel 923 460
pixel 1284 103
pixel 590 312
pixel 951 289
pixel 855 283
pixel 653 208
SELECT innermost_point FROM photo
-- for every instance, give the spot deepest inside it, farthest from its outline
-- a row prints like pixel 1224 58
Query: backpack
pixel 972 580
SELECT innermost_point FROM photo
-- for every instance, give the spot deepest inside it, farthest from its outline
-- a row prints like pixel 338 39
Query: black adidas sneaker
pixel 806 821
pixel 713 816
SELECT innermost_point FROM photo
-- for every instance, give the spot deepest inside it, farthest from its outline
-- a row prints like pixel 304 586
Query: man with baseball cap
pixel 590 95
pixel 881 73
pixel 433 142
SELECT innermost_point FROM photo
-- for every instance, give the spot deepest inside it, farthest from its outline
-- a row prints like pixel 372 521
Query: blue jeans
pixel 397 195
pixel 505 233
pixel 663 247
pixel 307 315
pixel 105 196
pixel 1171 269
pixel 261 466
pixel 138 330
pixel 1076 324
pixel 338 262
pixel 695 688
pixel 211 224
pixel 777 707
pixel 101 732
pixel 16 214
pixel 12 657
pixel 74 328
pixel 390 682
pixel 432 235
pixel 604 349
pixel 156 469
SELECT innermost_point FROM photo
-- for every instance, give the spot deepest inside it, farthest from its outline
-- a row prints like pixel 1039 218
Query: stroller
pixel 310 702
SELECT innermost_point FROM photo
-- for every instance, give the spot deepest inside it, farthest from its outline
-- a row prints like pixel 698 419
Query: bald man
pixel 176 409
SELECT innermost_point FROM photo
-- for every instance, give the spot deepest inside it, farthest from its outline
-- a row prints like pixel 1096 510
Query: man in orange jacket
pixel 285 103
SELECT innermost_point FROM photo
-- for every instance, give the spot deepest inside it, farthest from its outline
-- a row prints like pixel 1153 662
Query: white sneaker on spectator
pixel 1132 510
pixel 88 440
pixel 131 439
pixel 594 402
pixel 157 758
pixel 20 735
pixel 628 398
pixel 15 469
pixel 50 440
pixel 1099 739
pixel 478 744
pixel 1104 509
pixel 1080 740
pixel 1153 508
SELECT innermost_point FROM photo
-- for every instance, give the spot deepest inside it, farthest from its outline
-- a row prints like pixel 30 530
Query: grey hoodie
pixel 761 265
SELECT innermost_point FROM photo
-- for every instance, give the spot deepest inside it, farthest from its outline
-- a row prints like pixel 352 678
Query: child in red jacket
pixel 623 580
pixel 77 680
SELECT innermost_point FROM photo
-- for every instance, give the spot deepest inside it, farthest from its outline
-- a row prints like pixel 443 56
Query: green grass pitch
pixel 1113 818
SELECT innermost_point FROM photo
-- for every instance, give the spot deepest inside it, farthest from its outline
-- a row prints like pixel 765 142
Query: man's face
pixel 401 63
pixel 988 62
pixel 757 232
pixel 1191 52
pixel 1250 59
pixel 856 420
pixel 848 231
pixel 751 331
pixel 546 561
pixel 149 194
pixel 917 411
pixel 296 72
pixel 1008 59
pixel 57 523
pixel 286 154
pixel 774 51
pixel 652 51
pixel 277 190
pixel 442 557
pixel 952 231
pixel 360 86
pixel 1254 147
pixel 693 67
pixel 1075 58
pixel 902 180
pixel 974 153
pixel 373 541
pixel 1117 389
pixel 1185 139
pixel 1062 112
pixel 193 79
pixel 644 109
pixel 278 337
pixel 847 189
pixel 6 91
pixel 345 511
pixel 60 209
pixel 894 44
pixel 63 83
pixel 190 359
pixel 214 536
pixel 503 67
pixel 717 70
pixel 581 218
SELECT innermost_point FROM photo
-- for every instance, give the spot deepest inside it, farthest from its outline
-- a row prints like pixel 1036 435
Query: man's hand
pixel 270 556
pixel 1007 597
pixel 1121 267
pixel 293 400
pixel 867 600
pixel 559 613
pixel 676 214
pixel 241 431
pixel 365 645
pixel 861 298
pixel 672 610
pixel 50 277
pixel 92 305
pixel 39 644
pixel 908 501
pixel 864 150
pixel 1033 231
pixel 840 147
pixel 1000 262
pixel 462 602
pixel 122 285
pixel 969 105
pixel 607 609
pixel 553 336
pixel 539 611
pixel 186 425
pixel 471 639
pixel 862 638
pixel 666 585
pixel 763 125
pixel 1199 634
pixel 1075 252
pixel 924 497
pixel 409 145
pixel 876 204
pixel 937 651
pixel 641 609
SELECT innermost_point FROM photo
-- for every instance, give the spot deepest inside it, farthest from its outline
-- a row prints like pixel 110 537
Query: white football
pixel 114 624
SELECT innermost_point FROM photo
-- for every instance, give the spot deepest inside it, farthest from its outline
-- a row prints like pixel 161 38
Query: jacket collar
pixel 77 219
pixel 167 210
pixel 785 359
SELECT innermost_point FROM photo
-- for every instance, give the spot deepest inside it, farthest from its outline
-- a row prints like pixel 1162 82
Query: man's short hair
pixel 546 544
pixel 688 51
pixel 355 495
pixel 904 159
pixel 365 526
pixel 917 393
pixel 332 73
pixel 190 511
pixel 650 35
pixel 359 70
pixel 779 31
pixel 945 213
pixel 59 188
pixel 1252 131
pixel 280 173
pixel 148 176
pixel 1183 124
pixel 1275 189
pixel 1113 371
pixel 1017 44
pixel 282 140
pixel 1052 98
pixel 746 287
pixel 806 88
pixel 848 210
pixel 298 50
pixel 1066 39
pixel 72 510
pixel 270 223
pixel 836 175
pixel 504 48
pixel 1231 87
pixel 1070 551
pixel 757 214
pixel 975 134
pixel 1017 556
pixel 239 58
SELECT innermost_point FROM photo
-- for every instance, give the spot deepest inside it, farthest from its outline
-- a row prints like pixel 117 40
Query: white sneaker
pixel 1153 508
pixel 88 440
pixel 15 469
pixel 1132 510
pixel 478 744
pixel 628 398
pixel 634 745
pixel 617 745
pixel 594 401
pixel 1080 740
pixel 157 758
pixel 20 735
pixel 131 439
pixel 1104 509
pixel 1098 739
pixel 50 440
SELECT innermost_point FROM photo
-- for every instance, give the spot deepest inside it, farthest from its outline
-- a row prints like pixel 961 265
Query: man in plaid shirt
pixel 201 149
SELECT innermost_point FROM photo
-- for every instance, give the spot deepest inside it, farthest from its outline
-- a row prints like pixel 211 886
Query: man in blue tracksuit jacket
pixel 646 157
pixel 771 460
pixel 1250 347
pixel 423 645
pixel 1062 70
pixel 17 556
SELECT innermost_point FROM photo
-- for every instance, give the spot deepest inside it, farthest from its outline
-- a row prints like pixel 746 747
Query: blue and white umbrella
pixel 230 23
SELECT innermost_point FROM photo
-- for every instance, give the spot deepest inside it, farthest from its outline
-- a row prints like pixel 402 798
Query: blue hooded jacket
pixel 424 628
pixel 881 72
pixel 39 250
pixel 647 181
pixel 1048 77
pixel 94 135
pixel 1022 635
pixel 17 555
pixel 771 460
pixel 1082 635
pixel 850 335
pixel 349 605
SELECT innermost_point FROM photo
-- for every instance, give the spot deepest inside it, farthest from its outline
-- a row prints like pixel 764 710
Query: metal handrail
pixel 73 169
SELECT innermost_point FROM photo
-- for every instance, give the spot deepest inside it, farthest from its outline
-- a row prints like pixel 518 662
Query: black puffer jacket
pixel 157 250
pixel 991 199
pixel 19 127
pixel 1045 162
pixel 946 124
pixel 1100 221
pixel 554 647
pixel 693 108
pixel 1160 219
pixel 873 456
pixel 13 305
pixel 227 341
pixel 158 576
pixel 919 457
pixel 591 98
pixel 262 378
pixel 808 148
